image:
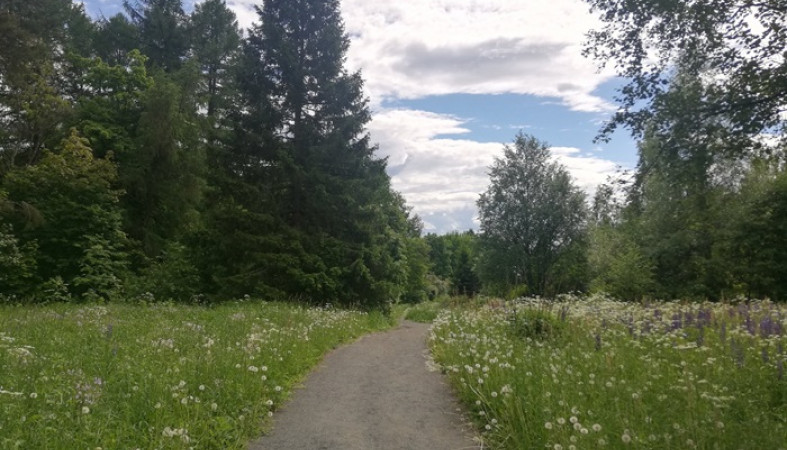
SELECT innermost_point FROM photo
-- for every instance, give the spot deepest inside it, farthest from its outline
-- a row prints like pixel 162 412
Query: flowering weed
pixel 160 376
pixel 617 375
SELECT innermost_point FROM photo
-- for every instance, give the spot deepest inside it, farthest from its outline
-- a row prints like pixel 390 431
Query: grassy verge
pixel 605 374
pixel 424 312
pixel 160 376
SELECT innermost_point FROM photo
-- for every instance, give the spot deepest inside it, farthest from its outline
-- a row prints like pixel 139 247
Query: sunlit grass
pixel 158 376
pixel 604 374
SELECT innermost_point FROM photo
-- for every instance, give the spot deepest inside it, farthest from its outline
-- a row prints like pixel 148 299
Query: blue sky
pixel 451 81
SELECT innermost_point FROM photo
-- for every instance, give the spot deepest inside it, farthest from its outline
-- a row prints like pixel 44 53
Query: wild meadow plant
pixel 158 376
pixel 599 373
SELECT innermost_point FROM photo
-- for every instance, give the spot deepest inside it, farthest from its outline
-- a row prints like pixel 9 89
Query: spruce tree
pixel 301 145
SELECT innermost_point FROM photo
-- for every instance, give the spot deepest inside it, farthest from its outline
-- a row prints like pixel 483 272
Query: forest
pixel 165 155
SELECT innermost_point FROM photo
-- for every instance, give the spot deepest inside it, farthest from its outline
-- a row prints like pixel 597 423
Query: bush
pixel 537 324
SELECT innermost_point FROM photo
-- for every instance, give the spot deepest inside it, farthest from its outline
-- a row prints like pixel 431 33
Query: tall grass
pixel 606 374
pixel 159 376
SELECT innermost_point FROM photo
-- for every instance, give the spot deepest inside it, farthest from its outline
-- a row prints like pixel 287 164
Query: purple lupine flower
pixel 766 327
pixel 676 322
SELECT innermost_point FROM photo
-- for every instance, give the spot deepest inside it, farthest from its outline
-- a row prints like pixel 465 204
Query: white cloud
pixel 416 48
pixel 443 177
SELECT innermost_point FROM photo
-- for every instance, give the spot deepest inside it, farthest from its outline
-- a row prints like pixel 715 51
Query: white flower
pixel 85 410
pixel 277 389
pixel 214 406
pixel 253 369
pixel 201 387
pixel 626 438
pixel 548 425
pixel 33 395
pixel 596 427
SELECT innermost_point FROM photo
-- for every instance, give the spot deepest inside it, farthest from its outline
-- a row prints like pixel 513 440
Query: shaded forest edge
pixel 165 155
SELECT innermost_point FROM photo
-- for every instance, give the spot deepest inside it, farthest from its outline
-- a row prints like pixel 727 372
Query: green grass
pixel 159 376
pixel 424 312
pixel 620 375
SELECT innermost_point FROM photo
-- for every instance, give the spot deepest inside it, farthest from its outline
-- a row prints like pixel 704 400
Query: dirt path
pixel 374 394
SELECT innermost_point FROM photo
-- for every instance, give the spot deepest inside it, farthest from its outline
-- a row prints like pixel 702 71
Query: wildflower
pixel 548 425
pixel 558 447
pixel 573 419
pixel 253 369
pixel 157 406
pixel 269 402
pixel 561 421
pixel 596 427
pixel 277 389
pixel 626 438
pixel 33 395
pixel 85 410
pixel 201 387
pixel 494 394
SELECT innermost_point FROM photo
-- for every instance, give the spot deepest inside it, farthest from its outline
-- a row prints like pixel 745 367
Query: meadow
pixel 598 373
pixel 159 375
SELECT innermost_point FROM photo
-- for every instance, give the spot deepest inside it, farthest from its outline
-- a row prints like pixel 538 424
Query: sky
pixel 450 82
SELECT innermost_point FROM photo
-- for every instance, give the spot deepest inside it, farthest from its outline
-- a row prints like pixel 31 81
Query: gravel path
pixel 374 394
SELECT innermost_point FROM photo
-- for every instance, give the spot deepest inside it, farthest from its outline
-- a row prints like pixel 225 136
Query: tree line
pixel 157 154
pixel 704 213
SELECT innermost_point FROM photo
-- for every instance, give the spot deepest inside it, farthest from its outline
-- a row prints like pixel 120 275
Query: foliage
pixel 741 41
pixel 80 237
pixel 537 324
pixel 17 263
pixel 531 215
pixel 158 375
pixel 619 374
pixel 617 264
pixel 453 258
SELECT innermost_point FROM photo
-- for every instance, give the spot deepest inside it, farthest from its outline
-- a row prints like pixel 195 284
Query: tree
pixel 531 216
pixel 162 31
pixel 733 48
pixel 115 38
pixel 34 38
pixel 80 238
pixel 215 43
pixel 315 213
